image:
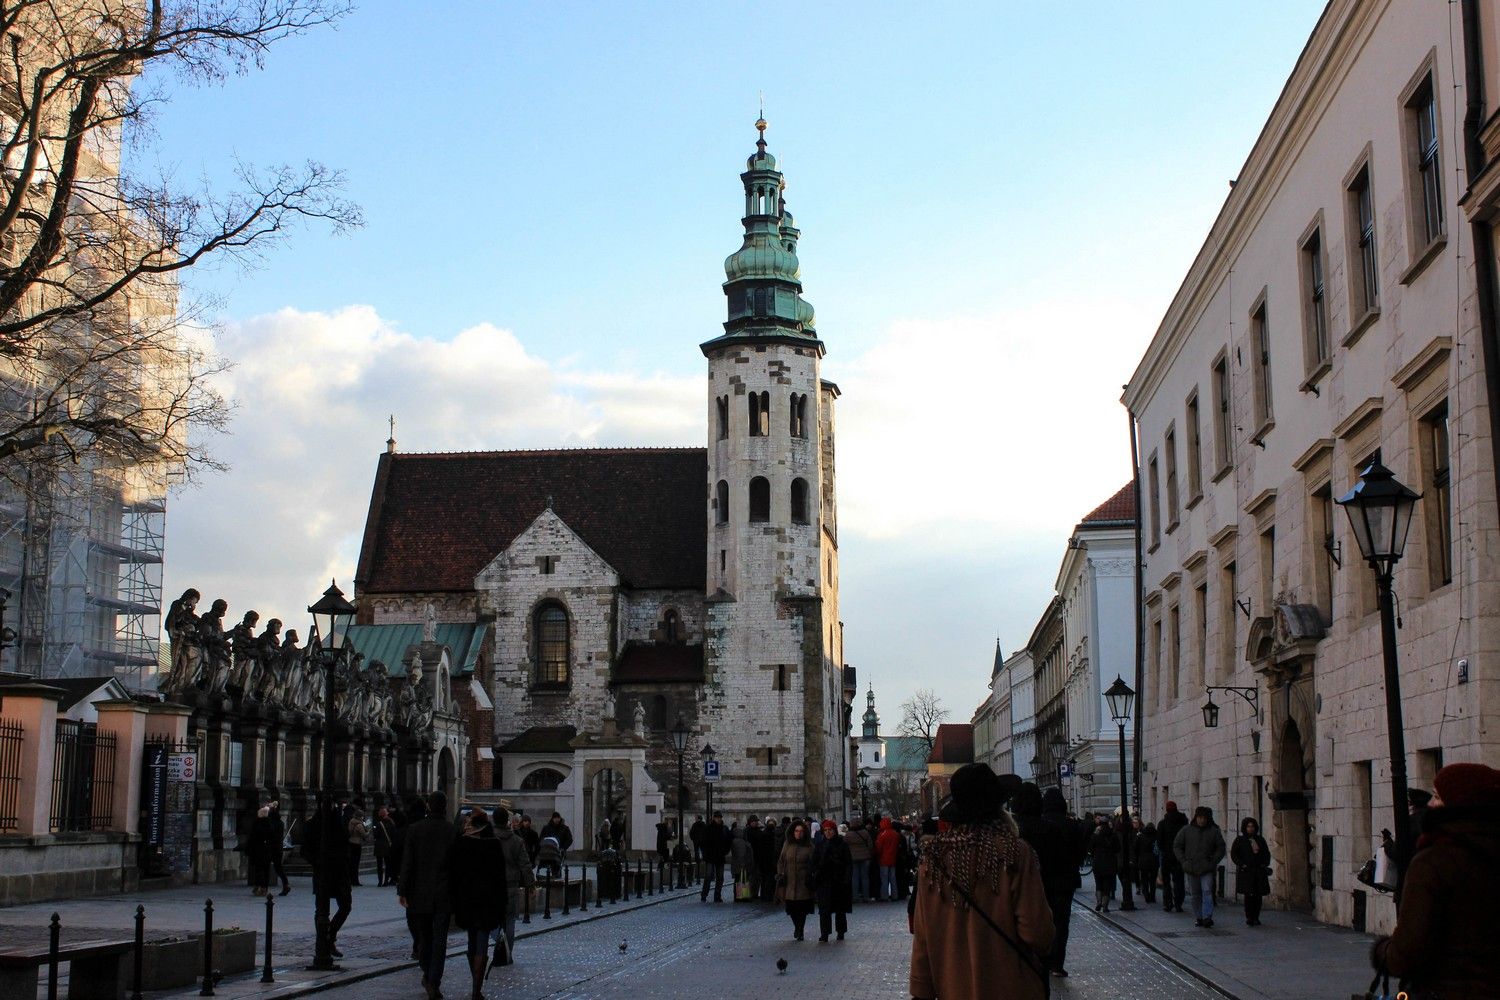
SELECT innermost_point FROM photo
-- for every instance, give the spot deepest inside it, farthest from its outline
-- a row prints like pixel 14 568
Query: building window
pixel 1174 652
pixel 1267 569
pixel 1153 484
pixel 1260 349
pixel 1364 268
pixel 1439 499
pixel 1425 161
pixel 760 499
pixel 1159 693
pixel 1228 621
pixel 760 414
pixel 782 681
pixel 1314 303
pixel 798 410
pixel 722 405
pixel 721 503
pixel 543 779
pixel 1321 524
pixel 1195 450
pixel 1223 424
pixel 551 630
pixel 671 626
pixel 1172 505
pixel 799 501
pixel 1200 619
pixel 546 565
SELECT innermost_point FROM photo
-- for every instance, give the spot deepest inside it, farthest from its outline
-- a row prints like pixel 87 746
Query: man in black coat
pixel 1060 846
pixel 695 834
pixel 327 826
pixel 423 888
pixel 557 828
pixel 530 838
pixel 1172 881
pixel 715 844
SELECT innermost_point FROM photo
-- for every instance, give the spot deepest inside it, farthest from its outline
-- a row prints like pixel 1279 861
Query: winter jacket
pixel 1104 848
pixel 716 843
pixel 518 871
pixel 1199 849
pixel 322 827
pixel 956 953
pixel 381 833
pixel 1074 837
pixel 664 838
pixel 1146 860
pixel 1252 869
pixel 794 872
pixel 476 878
pixel 1166 836
pixel 560 831
pixel 532 840
pixel 830 875
pixel 887 845
pixel 742 855
pixel 861 844
pixel 424 865
pixel 1444 941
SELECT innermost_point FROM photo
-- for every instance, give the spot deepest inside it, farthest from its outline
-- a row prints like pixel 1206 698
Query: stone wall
pixel 66 866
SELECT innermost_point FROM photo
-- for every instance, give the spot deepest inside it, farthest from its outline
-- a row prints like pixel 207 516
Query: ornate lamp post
pixel 1121 698
pixel 707 753
pixel 1380 511
pixel 864 793
pixel 1058 748
pixel 332 615
pixel 679 743
pixel 7 634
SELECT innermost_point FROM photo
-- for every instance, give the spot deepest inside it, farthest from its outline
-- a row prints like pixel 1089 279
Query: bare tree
pixel 98 355
pixel 921 714
pixel 897 794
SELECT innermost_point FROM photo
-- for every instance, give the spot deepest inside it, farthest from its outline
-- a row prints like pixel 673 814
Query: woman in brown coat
pixel 794 885
pixel 981 920
pixel 1444 941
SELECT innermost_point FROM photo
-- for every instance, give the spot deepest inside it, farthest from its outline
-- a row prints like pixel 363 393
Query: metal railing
pixel 10 776
pixel 83 778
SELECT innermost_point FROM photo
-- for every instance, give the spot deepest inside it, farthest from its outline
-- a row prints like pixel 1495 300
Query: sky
pixel 997 202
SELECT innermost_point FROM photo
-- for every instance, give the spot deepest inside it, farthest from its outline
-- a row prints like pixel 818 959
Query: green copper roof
pixel 389 643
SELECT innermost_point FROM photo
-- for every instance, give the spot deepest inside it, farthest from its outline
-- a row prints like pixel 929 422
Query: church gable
pixel 548 555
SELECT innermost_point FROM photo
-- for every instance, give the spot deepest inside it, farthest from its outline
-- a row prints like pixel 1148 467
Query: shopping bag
pixel 742 891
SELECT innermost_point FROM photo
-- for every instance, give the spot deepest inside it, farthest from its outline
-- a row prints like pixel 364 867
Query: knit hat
pixel 1171 806
pixel 1468 785
pixel 829 824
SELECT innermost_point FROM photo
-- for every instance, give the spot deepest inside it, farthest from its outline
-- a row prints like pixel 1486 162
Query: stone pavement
pixel 1289 955
pixel 374 940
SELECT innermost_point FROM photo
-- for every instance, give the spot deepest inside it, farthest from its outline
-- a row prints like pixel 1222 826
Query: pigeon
pixel 624 947
pixel 781 966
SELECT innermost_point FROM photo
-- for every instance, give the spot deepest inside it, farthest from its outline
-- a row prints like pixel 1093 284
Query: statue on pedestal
pixel 245 649
pixel 293 673
pixel 182 634
pixel 272 672
pixel 640 719
pixel 213 666
pixel 406 704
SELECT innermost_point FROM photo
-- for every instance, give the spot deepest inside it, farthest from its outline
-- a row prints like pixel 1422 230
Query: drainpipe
pixel 1481 231
pixel 1140 638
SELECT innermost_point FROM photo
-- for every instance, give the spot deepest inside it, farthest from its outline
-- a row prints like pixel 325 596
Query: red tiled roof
pixel 436 520
pixel 954 744
pixel 1118 508
pixel 648 662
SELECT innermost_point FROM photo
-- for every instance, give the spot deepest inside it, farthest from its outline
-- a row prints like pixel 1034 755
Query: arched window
pixel 659 712
pixel 798 415
pixel 722 404
pixel 799 501
pixel 671 626
pixel 760 414
pixel 721 503
pixel 760 499
pixel 551 631
pixel 543 779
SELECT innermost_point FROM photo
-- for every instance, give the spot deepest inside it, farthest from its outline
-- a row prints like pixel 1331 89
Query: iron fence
pixel 83 778
pixel 10 776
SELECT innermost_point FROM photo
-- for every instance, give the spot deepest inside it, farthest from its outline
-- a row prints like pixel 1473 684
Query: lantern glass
pixel 707 752
pixel 332 614
pixel 1380 510
pixel 1121 698
pixel 680 735
pixel 1211 714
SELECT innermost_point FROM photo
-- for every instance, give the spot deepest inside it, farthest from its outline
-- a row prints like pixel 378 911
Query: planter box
pixel 172 964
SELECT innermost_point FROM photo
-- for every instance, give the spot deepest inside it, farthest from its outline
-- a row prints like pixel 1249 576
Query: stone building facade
pixel 993 735
pixel 1334 315
pixel 623 589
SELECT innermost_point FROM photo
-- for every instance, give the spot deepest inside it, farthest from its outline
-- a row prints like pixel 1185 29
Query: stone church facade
pixel 623 589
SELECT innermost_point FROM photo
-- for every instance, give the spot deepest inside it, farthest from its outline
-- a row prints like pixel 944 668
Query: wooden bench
pixel 94 969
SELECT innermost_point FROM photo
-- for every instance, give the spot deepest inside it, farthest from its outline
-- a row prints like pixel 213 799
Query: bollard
pixel 565 890
pixel 207 989
pixel 583 888
pixel 625 878
pixel 265 975
pixel 526 892
pixel 54 934
pixel 140 952
pixel 650 886
pixel 547 899
pixel 618 880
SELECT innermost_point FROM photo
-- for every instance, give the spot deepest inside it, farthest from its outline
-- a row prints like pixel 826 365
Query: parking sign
pixel 710 770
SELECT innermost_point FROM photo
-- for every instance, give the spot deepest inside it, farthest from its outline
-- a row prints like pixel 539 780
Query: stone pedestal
pixel 34 707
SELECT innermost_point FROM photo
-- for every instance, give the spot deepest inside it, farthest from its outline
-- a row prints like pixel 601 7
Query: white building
pixel 1020 670
pixel 991 721
pixel 1333 317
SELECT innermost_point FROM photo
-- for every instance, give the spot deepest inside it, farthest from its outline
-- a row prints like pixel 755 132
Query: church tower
pixel 774 654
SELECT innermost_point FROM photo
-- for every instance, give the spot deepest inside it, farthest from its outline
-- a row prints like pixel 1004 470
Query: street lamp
pixel 1120 699
pixel 679 743
pixel 1211 714
pixel 331 617
pixel 864 793
pixel 707 753
pixel 1380 511
pixel 1059 747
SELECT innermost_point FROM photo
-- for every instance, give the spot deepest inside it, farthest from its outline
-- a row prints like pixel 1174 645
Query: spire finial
pixel 761 123
pixel 390 442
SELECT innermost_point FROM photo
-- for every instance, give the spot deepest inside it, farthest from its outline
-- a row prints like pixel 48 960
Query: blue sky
pixel 997 203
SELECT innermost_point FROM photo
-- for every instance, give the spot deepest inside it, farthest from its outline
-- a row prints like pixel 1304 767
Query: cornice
pixel 1435 353
pixel 1315 451
pixel 1357 417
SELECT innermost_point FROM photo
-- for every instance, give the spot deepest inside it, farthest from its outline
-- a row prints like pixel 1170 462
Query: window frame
pixel 1361 241
pixel 1312 271
pixel 1223 402
pixel 1260 359
pixel 1437 489
pixel 1174 495
pixel 802 514
pixel 752 508
pixel 1193 423
pixel 1426 213
pixel 721 502
pixel 721 406
pixel 542 678
pixel 1153 492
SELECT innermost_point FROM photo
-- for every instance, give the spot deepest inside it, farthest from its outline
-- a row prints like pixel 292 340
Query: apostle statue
pixel 182 634
pixel 294 675
pixel 245 649
pixel 213 667
pixel 639 717
pixel 267 681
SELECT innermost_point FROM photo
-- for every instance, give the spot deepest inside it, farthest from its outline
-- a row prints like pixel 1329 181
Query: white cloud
pixel 968 447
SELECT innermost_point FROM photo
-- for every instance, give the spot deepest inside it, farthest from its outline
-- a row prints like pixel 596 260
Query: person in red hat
pixel 1448 923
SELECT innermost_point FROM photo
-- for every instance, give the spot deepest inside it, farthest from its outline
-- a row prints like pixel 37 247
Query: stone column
pixel 34 706
pixel 167 722
pixel 126 719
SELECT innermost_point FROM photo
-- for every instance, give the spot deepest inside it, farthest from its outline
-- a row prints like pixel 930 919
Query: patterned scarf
pixel 970 855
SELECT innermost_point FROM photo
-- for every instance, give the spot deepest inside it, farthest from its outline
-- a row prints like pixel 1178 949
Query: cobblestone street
pixel 686 948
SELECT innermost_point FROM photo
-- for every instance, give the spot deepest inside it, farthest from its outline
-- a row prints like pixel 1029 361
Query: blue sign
pixel 1065 770
pixel 710 770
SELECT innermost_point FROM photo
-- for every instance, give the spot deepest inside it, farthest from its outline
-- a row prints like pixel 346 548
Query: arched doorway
pixel 1292 800
pixel 609 798
pixel 445 772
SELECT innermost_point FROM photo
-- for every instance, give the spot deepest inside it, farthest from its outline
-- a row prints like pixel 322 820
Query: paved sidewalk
pixel 1289 955
pixel 374 940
